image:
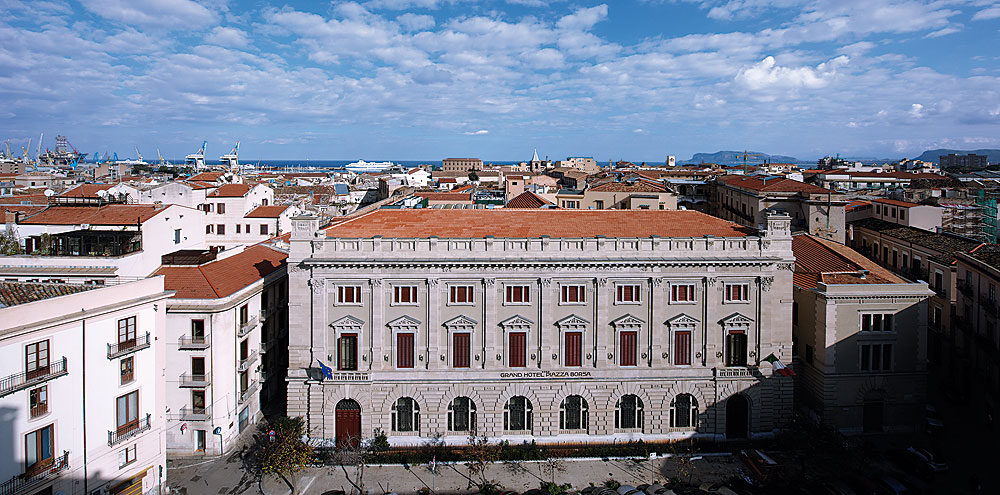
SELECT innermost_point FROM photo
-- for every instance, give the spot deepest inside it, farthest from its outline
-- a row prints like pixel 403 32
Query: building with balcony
pixel 860 334
pixel 82 393
pixel 974 369
pixel 747 199
pixel 226 340
pixel 547 325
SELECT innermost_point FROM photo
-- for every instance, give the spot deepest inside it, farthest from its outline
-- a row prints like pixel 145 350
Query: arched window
pixel 405 415
pixel 462 415
pixel 573 413
pixel 684 411
pixel 517 414
pixel 628 412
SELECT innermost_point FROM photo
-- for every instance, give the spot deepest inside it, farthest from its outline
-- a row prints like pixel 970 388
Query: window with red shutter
pixel 682 347
pixel 462 343
pixel 628 344
pixel 404 350
pixel 518 349
pixel 574 348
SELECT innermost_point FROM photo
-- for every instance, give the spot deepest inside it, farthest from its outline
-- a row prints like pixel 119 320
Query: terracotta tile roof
pixel 87 190
pixel 207 176
pixel 638 186
pixel 946 245
pixel 778 184
pixel 444 196
pixel 819 260
pixel 198 185
pixel 895 175
pixel 894 202
pixel 855 204
pixel 526 223
pixel 267 211
pixel 223 277
pixel 35 199
pixel 527 199
pixel 230 191
pixel 14 293
pixel 24 210
pixel 467 187
pixel 103 215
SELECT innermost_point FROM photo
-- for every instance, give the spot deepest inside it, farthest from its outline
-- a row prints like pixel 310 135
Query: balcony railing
pixel 27 379
pixel 195 380
pixel 132 430
pixel 39 409
pixel 247 327
pixel 966 288
pixel 246 394
pixel 36 475
pixel 188 342
pixel 128 347
pixel 196 413
pixel 737 372
pixel 245 363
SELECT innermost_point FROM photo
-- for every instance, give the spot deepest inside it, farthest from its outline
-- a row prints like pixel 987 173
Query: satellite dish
pixel 102 193
pixel 50 192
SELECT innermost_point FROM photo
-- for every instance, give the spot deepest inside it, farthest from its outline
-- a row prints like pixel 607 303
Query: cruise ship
pixel 362 166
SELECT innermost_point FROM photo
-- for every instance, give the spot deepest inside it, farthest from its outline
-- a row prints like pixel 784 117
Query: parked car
pixel 933 423
pixel 892 486
pixel 927 461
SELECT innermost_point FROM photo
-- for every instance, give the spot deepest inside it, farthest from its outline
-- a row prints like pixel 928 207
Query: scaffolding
pixel 987 201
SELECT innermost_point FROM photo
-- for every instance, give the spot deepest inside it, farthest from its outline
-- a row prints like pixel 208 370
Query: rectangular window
pixel 220 208
pixel 209 229
pixel 682 348
pixel 263 229
pixel 573 294
pixel 38 449
pixel 737 292
pixel 876 322
pixel 126 456
pixel 404 294
pixel 247 228
pixel 38 401
pixel 627 293
pixel 876 357
pixel 736 348
pixel 220 229
pixel 348 352
pixel 198 330
pixel 939 281
pixel 461 347
pixel 127 412
pixel 177 236
pixel 518 349
pixel 244 381
pixel 37 359
pixel 127 370
pixel 682 293
pixel 517 294
pixel 126 331
pixel 244 314
pixel 349 294
pixel 238 230
pixel 461 294
pixel 198 405
pixel 629 342
pixel 574 349
pixel 404 350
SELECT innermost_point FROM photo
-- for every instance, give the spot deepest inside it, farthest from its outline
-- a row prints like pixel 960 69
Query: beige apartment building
pixel 860 334
pixel 546 325
pixel 464 165
pixel 631 194
pixel 746 200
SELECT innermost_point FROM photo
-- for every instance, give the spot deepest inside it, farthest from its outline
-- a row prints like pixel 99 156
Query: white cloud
pixel 943 32
pixel 917 111
pixel 480 132
pixel 767 76
pixel 227 36
pixel 987 14
pixel 415 22
pixel 153 13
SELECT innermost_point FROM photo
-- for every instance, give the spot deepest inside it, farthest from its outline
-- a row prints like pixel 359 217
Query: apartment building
pixel 926 217
pixel 82 395
pixel 547 325
pixel 627 194
pixel 226 224
pixel 747 199
pixel 464 165
pixel 101 243
pixel 844 181
pixel 974 369
pixel 226 332
pixel 860 338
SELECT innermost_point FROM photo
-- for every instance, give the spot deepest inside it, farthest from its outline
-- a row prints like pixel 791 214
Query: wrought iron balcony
pixel 196 413
pixel 27 379
pixel 249 360
pixel 128 347
pixel 192 380
pixel 247 327
pixel 129 431
pixel 188 342
pixel 246 394
pixel 36 475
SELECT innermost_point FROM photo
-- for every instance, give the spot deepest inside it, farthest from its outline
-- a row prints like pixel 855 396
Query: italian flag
pixel 779 366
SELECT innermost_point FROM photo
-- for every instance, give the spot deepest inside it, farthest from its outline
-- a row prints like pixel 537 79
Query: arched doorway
pixel 348 421
pixel 737 417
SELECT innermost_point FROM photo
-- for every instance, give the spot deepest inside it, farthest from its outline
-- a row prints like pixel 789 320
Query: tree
pixel 473 176
pixel 358 453
pixel 478 457
pixel 10 244
pixel 286 453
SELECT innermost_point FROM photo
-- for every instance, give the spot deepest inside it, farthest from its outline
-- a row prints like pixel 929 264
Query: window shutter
pixel 460 358
pixel 682 347
pixel 404 350
pixel 518 349
pixel 628 351
pixel 574 348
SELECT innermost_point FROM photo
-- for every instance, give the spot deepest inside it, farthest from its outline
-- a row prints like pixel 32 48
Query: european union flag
pixel 327 371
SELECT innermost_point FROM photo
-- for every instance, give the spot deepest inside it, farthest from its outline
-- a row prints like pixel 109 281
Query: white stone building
pixel 546 325
pixel 227 207
pixel 82 394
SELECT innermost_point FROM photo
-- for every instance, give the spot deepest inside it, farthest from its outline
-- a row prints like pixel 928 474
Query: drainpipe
pixel 83 371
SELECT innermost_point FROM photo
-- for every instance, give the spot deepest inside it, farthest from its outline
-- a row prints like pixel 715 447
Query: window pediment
pixel 682 320
pixel 737 320
pixel 347 321
pixel 516 321
pixel 572 321
pixel 461 321
pixel 627 321
pixel 403 321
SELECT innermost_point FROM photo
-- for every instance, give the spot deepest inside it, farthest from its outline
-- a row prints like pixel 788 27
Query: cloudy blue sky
pixel 426 79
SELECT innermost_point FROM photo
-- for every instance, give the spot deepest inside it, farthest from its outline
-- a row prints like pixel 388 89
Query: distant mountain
pixel 736 157
pixel 993 156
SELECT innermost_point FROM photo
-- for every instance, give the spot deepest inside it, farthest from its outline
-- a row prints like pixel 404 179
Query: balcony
pixel 27 379
pixel 128 431
pixel 989 304
pixel 966 288
pixel 249 360
pixel 193 343
pixel 128 347
pixel 737 372
pixel 247 327
pixel 36 475
pixel 246 394
pixel 196 413
pixel 191 380
pixel 40 409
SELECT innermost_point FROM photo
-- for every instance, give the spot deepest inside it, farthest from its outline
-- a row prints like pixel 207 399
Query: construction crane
pixel 138 154
pixel 746 155
pixel 38 151
pixel 160 157
pixel 27 159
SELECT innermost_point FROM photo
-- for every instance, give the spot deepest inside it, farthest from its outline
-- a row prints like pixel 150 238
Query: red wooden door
pixel 348 420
